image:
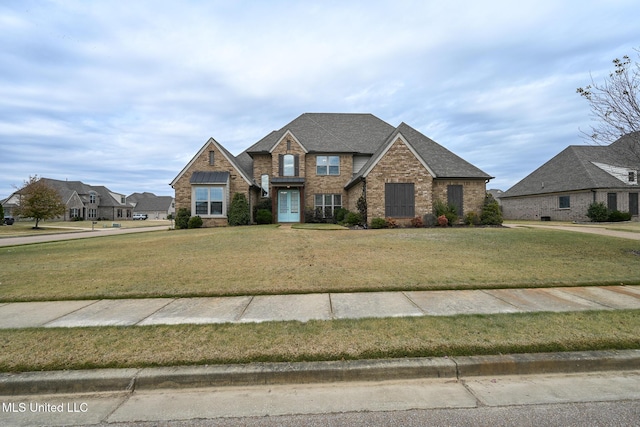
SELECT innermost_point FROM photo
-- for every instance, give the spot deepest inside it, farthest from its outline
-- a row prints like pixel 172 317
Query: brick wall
pixel 237 184
pixel 473 193
pixel 398 165
pixel 327 184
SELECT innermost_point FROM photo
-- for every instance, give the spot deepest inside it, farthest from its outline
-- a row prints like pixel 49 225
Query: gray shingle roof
pixel 574 169
pixel 331 133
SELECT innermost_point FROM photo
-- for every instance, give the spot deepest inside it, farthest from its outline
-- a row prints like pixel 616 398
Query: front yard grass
pixel 274 260
pixel 120 347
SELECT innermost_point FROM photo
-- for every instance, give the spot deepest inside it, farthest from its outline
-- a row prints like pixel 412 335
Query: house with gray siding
pixel 563 188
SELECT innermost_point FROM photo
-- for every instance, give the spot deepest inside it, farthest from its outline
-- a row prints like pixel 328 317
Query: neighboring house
pixel 563 188
pixel 84 201
pixel 327 161
pixel 155 207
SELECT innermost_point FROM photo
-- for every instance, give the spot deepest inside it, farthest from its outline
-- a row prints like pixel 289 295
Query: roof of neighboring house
pixel 66 189
pixel 581 167
pixel 145 202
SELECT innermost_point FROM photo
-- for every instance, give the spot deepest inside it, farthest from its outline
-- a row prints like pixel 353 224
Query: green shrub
pixel 353 218
pixel 194 222
pixel 264 216
pixel 339 215
pixel 449 211
pixel 263 204
pixel 182 218
pixel 378 222
pixel 598 212
pixel 239 210
pixel 491 212
pixel 471 218
pixel 429 220
pixel 616 216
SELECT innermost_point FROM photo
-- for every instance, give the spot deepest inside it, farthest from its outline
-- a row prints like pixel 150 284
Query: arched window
pixel 288 165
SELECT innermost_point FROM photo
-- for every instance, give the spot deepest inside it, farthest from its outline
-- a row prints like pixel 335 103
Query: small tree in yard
pixel 598 212
pixel 239 210
pixel 491 214
pixel 39 201
pixel 182 218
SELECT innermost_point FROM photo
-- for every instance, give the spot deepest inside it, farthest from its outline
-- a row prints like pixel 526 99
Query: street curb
pixel 128 380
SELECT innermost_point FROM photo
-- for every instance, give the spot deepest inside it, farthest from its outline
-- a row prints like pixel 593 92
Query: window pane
pixel 216 208
pixel 337 200
pixel 202 194
pixel 321 165
pixel 216 193
pixel 288 168
pixel 318 199
pixel 328 199
pixel 201 208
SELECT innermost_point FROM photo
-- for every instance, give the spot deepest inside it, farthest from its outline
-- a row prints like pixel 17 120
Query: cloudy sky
pixel 124 93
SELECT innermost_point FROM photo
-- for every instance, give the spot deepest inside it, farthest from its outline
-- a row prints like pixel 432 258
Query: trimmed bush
pixel 340 213
pixel 616 216
pixel 471 218
pixel 378 222
pixel 239 210
pixel 449 211
pixel 598 212
pixel 491 212
pixel 194 222
pixel 182 218
pixel 353 218
pixel 391 223
pixel 417 222
pixel 429 220
pixel 264 216
pixel 443 221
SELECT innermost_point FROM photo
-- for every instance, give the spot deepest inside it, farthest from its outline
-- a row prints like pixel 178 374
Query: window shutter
pixel 280 164
pixel 296 165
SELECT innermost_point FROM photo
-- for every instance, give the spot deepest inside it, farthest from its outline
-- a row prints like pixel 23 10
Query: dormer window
pixel 92 197
pixel 632 177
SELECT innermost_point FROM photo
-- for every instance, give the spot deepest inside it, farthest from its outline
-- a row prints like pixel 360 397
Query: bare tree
pixel 615 104
pixel 39 201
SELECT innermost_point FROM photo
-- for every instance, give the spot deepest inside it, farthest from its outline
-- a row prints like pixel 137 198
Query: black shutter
pixel 454 197
pixel 296 165
pixel 280 164
pixel 399 200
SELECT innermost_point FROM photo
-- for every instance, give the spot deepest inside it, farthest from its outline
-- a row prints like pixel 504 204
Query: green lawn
pixel 271 260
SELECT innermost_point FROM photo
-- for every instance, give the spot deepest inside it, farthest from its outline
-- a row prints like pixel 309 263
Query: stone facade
pixel 398 165
pixel 473 193
pixel 200 163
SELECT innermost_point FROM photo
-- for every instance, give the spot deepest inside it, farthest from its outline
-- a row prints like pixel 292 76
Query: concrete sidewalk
pixel 75 233
pixel 305 307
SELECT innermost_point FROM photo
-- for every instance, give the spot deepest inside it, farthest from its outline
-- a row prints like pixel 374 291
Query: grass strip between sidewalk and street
pixel 144 346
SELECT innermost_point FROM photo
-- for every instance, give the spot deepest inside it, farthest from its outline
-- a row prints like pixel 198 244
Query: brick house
pixel 563 188
pixel 325 161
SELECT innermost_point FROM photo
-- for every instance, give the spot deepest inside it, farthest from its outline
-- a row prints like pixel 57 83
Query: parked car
pixel 139 216
pixel 9 220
